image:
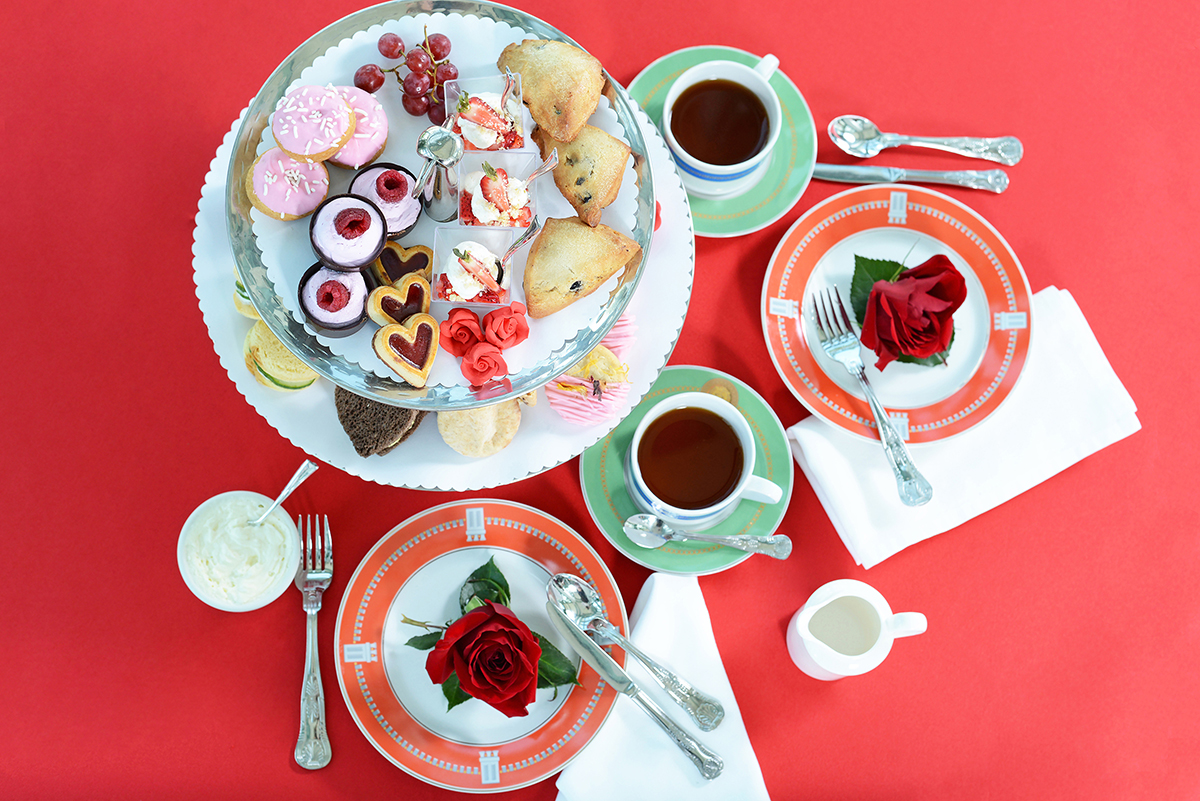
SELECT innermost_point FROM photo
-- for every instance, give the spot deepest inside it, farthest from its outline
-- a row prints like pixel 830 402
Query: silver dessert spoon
pixel 647 531
pixel 581 603
pixel 860 137
pixel 304 471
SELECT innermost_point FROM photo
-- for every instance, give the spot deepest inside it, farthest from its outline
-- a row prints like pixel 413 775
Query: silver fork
pixel 312 579
pixel 839 339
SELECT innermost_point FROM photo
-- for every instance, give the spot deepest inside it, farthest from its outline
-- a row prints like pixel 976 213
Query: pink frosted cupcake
pixel 370 129
pixel 595 389
pixel 285 188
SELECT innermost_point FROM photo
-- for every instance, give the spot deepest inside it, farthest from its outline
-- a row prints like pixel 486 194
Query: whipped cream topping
pixel 487 212
pixel 399 214
pixel 311 120
pixel 335 249
pixel 370 129
pixel 231 560
pixel 287 185
pixel 464 285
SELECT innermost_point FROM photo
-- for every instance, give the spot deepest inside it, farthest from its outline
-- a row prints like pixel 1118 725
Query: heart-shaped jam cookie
pixel 409 347
pixel 395 304
pixel 397 261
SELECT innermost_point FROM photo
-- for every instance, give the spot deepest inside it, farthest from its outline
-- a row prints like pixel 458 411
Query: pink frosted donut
pixel 284 188
pixel 311 123
pixel 370 129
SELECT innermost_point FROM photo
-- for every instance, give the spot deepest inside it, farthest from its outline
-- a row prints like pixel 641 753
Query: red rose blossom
pixel 482 362
pixel 506 326
pixel 494 655
pixel 460 331
pixel 913 315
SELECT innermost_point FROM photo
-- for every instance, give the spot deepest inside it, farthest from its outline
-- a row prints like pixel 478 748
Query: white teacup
pixel 717 181
pixel 747 487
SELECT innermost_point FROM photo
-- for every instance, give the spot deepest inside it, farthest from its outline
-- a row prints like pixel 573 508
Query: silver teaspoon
pixel 582 604
pixel 647 531
pixel 860 137
pixel 304 471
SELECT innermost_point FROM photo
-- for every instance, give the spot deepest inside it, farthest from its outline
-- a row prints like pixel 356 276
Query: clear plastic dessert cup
pixel 475 210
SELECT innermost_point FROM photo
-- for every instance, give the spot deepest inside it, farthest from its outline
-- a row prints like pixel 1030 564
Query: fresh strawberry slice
pixel 475 110
pixel 523 218
pixel 478 269
pixel 494 186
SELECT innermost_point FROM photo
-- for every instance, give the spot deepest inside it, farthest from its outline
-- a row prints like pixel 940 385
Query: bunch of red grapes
pixel 423 88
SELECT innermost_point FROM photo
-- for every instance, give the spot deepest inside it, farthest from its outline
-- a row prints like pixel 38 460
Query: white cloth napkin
pixel 1067 405
pixel 631 758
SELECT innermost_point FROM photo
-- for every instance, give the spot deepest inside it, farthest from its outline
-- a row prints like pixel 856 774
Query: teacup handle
pixel 906 624
pixel 761 490
pixel 766 68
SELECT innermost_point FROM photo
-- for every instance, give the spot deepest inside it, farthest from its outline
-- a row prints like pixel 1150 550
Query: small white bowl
pixel 198 585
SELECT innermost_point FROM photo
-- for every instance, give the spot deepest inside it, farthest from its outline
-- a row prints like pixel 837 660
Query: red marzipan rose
pixel 914 314
pixel 506 326
pixel 495 656
pixel 481 362
pixel 459 332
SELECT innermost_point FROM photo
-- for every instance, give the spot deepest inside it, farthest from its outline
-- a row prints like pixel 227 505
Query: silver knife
pixel 991 180
pixel 709 764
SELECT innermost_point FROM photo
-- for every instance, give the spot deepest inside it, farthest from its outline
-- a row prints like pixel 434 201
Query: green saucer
pixel 792 159
pixel 602 475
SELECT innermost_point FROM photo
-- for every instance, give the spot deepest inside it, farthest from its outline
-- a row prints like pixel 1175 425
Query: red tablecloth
pixel 1063 626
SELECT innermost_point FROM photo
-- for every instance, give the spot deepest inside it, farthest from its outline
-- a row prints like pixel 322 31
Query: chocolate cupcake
pixel 390 187
pixel 333 301
pixel 347 232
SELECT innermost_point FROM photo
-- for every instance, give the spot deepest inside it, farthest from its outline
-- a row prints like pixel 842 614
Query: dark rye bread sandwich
pixel 374 428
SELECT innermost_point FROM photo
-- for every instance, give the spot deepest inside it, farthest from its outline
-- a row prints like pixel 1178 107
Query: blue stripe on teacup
pixel 678 514
pixel 708 176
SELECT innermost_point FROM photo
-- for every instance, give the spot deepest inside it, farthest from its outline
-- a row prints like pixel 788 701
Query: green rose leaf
pixel 554 668
pixel 455 694
pixel 425 641
pixel 866 273
pixel 487 583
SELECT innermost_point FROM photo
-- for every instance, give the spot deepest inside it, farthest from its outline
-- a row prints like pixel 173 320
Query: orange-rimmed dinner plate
pixel 907 224
pixel 416 570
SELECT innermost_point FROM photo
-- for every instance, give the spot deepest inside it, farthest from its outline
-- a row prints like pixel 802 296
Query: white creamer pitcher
pixel 845 629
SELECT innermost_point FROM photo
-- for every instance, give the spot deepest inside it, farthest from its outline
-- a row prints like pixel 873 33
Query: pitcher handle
pixel 906 624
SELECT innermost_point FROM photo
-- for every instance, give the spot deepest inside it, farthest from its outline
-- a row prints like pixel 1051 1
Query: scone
pixel 273 364
pixel 374 428
pixel 483 431
pixel 560 84
pixel 589 171
pixel 570 260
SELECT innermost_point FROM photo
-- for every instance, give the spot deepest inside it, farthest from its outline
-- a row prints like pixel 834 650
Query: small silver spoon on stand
pixel 860 137
pixel 305 470
pixel 582 604
pixel 647 531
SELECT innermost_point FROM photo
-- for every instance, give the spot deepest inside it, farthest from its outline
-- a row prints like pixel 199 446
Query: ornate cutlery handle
pixel 705 710
pixel 913 488
pixel 778 546
pixel 708 763
pixel 1003 149
pixel 312 747
pixel 991 180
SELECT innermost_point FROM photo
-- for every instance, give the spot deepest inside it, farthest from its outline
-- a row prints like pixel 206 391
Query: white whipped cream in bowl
pixel 231 565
